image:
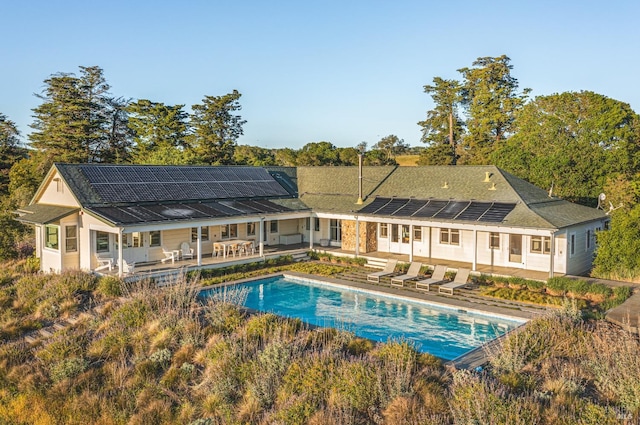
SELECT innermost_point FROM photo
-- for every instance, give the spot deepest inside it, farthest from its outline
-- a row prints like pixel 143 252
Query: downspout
pixel 357 236
pixel 120 252
pixel 199 245
pixel 552 254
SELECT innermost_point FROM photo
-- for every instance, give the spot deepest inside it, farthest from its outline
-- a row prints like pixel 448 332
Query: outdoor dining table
pixel 226 245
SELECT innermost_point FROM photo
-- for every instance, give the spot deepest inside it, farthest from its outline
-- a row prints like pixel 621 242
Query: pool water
pixel 446 333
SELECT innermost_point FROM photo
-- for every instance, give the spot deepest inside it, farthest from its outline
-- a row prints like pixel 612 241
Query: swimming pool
pixel 443 332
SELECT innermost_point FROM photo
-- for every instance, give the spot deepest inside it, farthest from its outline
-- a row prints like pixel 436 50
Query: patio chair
pixel 104 263
pixel 411 274
pixel 233 249
pixel 128 268
pixel 218 249
pixel 247 247
pixel 169 255
pixel 437 277
pixel 459 281
pixel 186 251
pixel 388 269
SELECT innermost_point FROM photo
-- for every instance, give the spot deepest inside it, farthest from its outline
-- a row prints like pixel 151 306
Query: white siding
pixel 56 193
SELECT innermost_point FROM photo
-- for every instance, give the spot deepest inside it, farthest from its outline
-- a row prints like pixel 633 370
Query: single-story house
pixel 87 213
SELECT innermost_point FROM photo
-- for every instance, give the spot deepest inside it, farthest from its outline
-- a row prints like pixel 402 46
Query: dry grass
pixel 407 160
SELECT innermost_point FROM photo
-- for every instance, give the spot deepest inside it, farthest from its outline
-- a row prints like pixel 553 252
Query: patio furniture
pixel 411 274
pixel 169 254
pixel 437 277
pixel 104 263
pixel 233 249
pixel 186 251
pixel 247 247
pixel 218 249
pixel 459 281
pixel 388 269
pixel 128 268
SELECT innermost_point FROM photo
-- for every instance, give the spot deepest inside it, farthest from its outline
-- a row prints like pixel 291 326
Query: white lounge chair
pixel 458 282
pixel 104 263
pixel 411 274
pixel 186 251
pixel 388 269
pixel 172 255
pixel 128 268
pixel 437 277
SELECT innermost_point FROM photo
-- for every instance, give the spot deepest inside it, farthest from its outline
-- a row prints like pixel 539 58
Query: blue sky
pixel 338 71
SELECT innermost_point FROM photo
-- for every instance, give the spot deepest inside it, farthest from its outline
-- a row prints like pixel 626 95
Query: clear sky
pixel 339 71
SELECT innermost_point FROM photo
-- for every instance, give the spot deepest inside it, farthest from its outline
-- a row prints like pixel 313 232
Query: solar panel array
pixel 134 214
pixel 126 183
pixel 492 212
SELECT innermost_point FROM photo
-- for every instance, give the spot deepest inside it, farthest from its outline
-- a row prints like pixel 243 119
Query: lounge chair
pixel 172 255
pixel 104 263
pixel 128 268
pixel 412 273
pixel 459 282
pixel 186 251
pixel 437 277
pixel 388 269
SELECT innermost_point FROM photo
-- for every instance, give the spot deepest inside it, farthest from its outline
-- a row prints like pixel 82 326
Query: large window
pixel 51 236
pixel 494 240
pixel 384 230
pixel 251 229
pixel 155 238
pixel 102 242
pixel 229 231
pixel 204 233
pixel 540 245
pixel 136 240
pixel 335 230
pixel 71 238
pixel 450 236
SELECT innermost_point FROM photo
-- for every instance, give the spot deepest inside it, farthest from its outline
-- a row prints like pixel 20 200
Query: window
pixel 136 240
pixel 384 230
pixel 71 238
pixel 589 241
pixel 251 229
pixel 450 236
pixel 316 224
pixel 572 244
pixel 494 240
pixel 308 223
pixel 405 233
pixel 51 236
pixel 229 231
pixel 155 238
pixel 540 245
pixel 102 241
pixel 204 233
pixel 394 233
pixel 417 233
pixel 335 230
pixel 273 226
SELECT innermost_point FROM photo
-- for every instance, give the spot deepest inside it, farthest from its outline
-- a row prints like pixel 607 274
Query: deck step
pixel 300 256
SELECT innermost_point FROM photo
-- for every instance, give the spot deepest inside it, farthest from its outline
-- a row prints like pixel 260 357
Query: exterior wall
pixel 52 196
pixel 580 260
pixel 371 238
pixel 461 252
pixel 50 259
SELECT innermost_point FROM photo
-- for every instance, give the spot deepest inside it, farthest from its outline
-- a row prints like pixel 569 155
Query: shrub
pixel 109 286
pixel 68 368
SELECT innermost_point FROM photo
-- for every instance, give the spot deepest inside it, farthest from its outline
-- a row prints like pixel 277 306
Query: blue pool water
pixel 446 333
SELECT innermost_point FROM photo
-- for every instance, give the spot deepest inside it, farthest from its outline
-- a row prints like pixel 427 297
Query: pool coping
pixel 472 359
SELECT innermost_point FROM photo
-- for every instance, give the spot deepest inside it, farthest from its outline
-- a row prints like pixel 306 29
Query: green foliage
pixel 68 368
pixel 392 146
pixel 618 252
pixel 109 286
pixel 10 151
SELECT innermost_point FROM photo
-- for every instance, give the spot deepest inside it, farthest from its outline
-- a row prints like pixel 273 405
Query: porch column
pixel 199 245
pixel 552 253
pixel 411 243
pixel 475 250
pixel 311 227
pixel 430 240
pixel 261 244
pixel 120 252
pixel 357 237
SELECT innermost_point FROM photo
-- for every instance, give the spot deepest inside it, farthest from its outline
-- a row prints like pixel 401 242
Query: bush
pixel 68 368
pixel 109 286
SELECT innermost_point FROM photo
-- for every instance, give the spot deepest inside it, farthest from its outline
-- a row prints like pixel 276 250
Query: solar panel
pixel 376 204
pixel 392 206
pixel 451 210
pixel 410 207
pixel 473 211
pixel 430 209
pixel 497 212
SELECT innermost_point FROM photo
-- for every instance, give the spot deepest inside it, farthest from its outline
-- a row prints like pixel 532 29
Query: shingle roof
pixel 43 213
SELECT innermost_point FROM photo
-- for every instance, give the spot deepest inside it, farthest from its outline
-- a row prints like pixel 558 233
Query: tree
pixel 377 157
pixel 286 157
pixel 348 156
pixel 391 145
pixel 575 142
pixel 70 124
pixel 618 252
pixel 159 132
pixel 253 155
pixel 10 151
pixel 491 99
pixel 216 128
pixel 119 134
pixel 318 153
pixel 443 128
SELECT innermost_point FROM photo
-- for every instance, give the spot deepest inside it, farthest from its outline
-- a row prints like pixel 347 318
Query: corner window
pixel 417 233
pixel 102 242
pixel 155 238
pixel 204 233
pixel 51 236
pixel 494 240
pixel 540 245
pixel 450 236
pixel 251 229
pixel 71 238
pixel 273 226
pixel 384 230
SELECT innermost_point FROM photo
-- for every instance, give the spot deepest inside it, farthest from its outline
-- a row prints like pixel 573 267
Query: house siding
pixel 52 196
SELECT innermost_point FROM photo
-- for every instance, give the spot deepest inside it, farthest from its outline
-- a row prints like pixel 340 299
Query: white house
pixel 475 214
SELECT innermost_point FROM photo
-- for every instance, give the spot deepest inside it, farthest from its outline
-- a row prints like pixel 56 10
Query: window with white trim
pixel 589 242
pixel 572 244
pixel 273 226
pixel 384 230
pixel 51 239
pixel 417 233
pixel 204 233
pixel 71 238
pixel 155 238
pixel 540 245
pixel 251 229
pixel 450 236
pixel 395 234
pixel 102 241
pixel 494 240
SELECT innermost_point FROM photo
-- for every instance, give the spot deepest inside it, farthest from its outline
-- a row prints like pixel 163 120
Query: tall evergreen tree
pixel 119 135
pixel 70 124
pixel 10 151
pixel 491 98
pixel 159 132
pixel 442 130
pixel 216 128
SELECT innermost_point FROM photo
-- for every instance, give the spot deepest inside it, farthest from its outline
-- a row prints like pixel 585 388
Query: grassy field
pixel 407 160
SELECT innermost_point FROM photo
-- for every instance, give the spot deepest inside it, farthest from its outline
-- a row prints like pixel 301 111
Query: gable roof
pixel 43 213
